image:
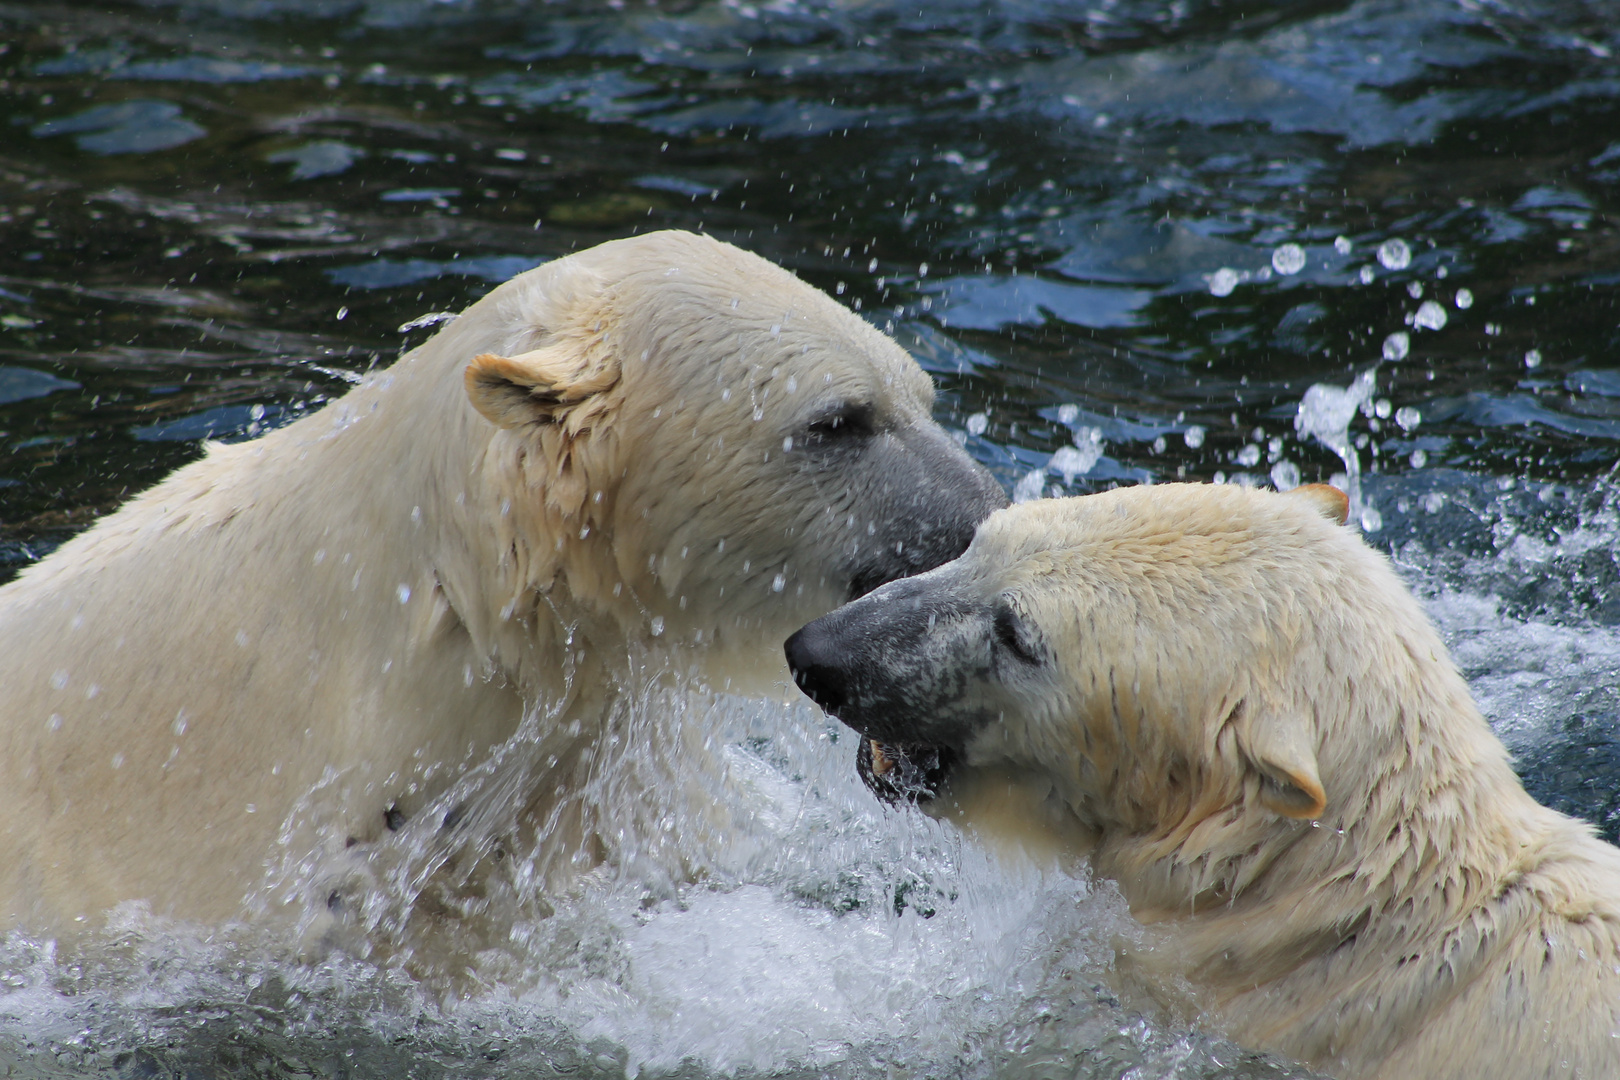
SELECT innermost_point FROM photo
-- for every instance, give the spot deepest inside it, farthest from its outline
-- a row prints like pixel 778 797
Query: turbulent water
pixel 1134 240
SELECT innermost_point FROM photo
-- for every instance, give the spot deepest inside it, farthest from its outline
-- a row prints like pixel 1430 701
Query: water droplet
pixel 1397 345
pixel 1194 437
pixel 1068 414
pixel 1408 418
pixel 1465 299
pixel 1030 486
pixel 1342 245
pixel 59 680
pixel 1159 445
pixel 657 625
pixel 1381 408
pixel 1394 255
pixel 1419 459
pixel 1430 316
pixel 922 271
pixel 1414 289
pixel 1248 456
pixel 54 723
pixel 118 760
pixel 977 423
pixel 1285 475
pixel 404 593
pixel 778 583
pixel 242 639
pixel 179 725
pixel 1288 259
pixel 1371 520
pixel 1532 359
pixel 256 412
pixel 787 444
pixel 1367 275
pixel 1223 281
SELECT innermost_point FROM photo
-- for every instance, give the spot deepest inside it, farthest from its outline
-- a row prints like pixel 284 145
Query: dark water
pixel 1128 237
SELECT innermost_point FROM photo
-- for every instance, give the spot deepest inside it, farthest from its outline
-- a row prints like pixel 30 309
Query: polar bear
pixel 662 453
pixel 1236 708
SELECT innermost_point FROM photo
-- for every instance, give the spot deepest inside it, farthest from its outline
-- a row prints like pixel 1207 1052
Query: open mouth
pixel 896 774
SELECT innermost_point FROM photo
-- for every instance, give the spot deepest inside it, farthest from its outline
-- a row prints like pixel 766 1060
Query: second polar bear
pixel 658 455
pixel 1237 708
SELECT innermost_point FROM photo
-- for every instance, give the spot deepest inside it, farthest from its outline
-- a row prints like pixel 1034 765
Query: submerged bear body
pixel 659 454
pixel 1236 708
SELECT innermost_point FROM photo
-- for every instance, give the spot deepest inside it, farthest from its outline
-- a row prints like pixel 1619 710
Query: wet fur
pixel 239 693
pixel 1250 724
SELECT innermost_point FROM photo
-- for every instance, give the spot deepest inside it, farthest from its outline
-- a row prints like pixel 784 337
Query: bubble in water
pixel 1430 316
pixel 1342 245
pixel 1465 299
pixel 1249 456
pixel 1194 437
pixel 1223 281
pixel 1408 417
pixel 1287 259
pixel 1371 520
pixel 977 423
pixel 1419 459
pixel 1285 475
pixel 1030 487
pixel 1394 255
pixel 1397 345
pixel 1068 414
pixel 1367 275
pixel 1532 359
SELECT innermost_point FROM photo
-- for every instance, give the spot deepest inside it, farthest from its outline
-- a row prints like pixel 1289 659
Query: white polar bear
pixel 662 453
pixel 1234 705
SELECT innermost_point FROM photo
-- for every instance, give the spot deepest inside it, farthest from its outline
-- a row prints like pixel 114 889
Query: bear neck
pixel 1287 927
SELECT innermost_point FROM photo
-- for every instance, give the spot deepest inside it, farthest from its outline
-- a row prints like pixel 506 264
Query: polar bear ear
pixel 546 386
pixel 1278 748
pixel 1332 503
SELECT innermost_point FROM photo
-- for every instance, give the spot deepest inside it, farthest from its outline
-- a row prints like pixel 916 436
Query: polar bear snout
pixel 932 497
pixel 903 665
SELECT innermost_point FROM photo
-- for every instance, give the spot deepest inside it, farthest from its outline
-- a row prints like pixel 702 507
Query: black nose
pixel 813 658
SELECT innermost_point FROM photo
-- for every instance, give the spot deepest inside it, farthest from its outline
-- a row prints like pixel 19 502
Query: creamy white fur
pixel 1218 658
pixel 243 668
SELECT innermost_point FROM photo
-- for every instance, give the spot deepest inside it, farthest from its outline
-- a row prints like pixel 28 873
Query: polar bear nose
pixel 815 660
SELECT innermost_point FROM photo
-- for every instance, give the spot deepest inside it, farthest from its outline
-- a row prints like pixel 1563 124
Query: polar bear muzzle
pixel 912 668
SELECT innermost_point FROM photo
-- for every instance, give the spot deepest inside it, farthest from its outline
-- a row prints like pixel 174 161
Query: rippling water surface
pixel 1251 242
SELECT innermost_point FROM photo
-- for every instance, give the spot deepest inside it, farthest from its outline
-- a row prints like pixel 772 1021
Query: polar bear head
pixel 1156 658
pixel 693 440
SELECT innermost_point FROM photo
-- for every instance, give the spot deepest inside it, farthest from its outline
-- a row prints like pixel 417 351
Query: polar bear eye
pixel 851 419
pixel 1010 635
